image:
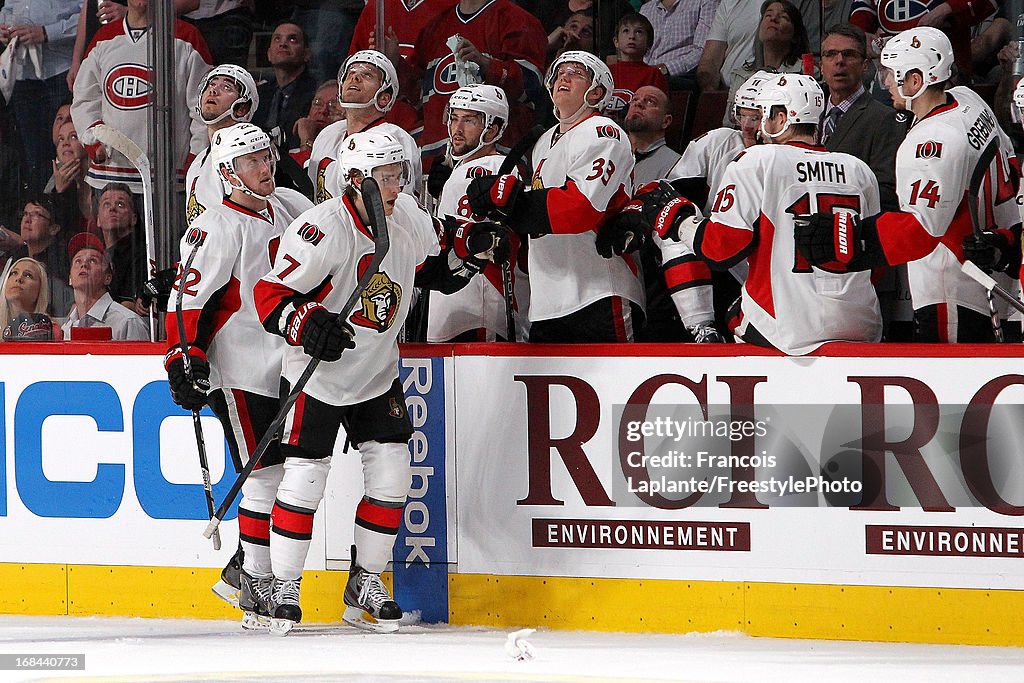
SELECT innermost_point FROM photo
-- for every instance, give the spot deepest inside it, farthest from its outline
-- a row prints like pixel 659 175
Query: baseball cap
pixel 85 240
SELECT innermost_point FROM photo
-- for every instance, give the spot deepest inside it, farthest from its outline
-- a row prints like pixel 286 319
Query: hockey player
pixel 321 257
pixel 582 174
pixel 944 149
pixel 367 89
pixel 227 95
pixel 476 118
pixel 785 303
pixel 233 243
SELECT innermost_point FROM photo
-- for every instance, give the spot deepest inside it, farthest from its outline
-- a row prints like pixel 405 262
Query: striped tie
pixel 831 121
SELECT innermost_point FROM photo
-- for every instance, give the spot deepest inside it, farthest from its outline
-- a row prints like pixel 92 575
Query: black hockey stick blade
pixel 519 150
pixel 381 244
pixel 197 424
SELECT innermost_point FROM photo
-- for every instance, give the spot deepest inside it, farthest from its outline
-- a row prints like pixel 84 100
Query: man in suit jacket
pixel 286 97
pixel 854 122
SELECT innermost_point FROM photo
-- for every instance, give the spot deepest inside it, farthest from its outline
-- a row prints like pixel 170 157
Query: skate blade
pixel 362 619
pixel 255 622
pixel 227 592
pixel 281 627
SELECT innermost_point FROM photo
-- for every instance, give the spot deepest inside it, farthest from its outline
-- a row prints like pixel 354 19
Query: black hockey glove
pixel 664 208
pixel 705 333
pixel 625 232
pixel 836 242
pixel 437 177
pixel 483 243
pixel 494 197
pixel 994 251
pixel 320 333
pixel 157 288
pixel 189 393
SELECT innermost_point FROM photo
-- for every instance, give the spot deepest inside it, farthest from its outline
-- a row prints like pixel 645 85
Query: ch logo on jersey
pixel 380 302
pixel 322 195
pixel 194 236
pixel 929 150
pixel 608 131
pixel 310 233
pixel 619 101
pixel 445 81
pixel 899 15
pixel 127 86
pixel 410 5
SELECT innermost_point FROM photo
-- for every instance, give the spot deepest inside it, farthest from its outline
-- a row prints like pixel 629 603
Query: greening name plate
pixel 42 662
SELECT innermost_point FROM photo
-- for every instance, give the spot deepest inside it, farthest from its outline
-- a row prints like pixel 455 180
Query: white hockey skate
pixel 229 587
pixel 285 601
pixel 255 600
pixel 368 604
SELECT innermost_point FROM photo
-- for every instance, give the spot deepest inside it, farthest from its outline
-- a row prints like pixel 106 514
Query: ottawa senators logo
pixel 194 236
pixel 380 302
pixel 477 172
pixel 929 150
pixel 193 208
pixel 608 131
pixel 915 43
pixel 321 194
pixel 537 183
pixel 310 233
pixel 395 409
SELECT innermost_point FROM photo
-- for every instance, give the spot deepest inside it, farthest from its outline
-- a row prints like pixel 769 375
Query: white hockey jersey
pixel 323 170
pixel 589 172
pixel 481 303
pixel 706 157
pixel 114 87
pixel 934 167
pixel 795 307
pixel 236 249
pixel 321 256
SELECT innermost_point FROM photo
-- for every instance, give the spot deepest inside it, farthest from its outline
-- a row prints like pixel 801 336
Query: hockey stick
pixel 197 424
pixel 524 145
pixel 112 137
pixel 985 280
pixel 381 28
pixel 973 191
pixel 381 243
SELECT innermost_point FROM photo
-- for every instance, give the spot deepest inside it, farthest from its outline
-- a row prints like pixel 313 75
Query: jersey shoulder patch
pixel 308 232
pixel 609 131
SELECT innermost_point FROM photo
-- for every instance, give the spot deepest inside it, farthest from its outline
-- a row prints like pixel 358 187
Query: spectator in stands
pixel 553 14
pixel 41 233
pixel 72 199
pixel 1003 105
pixel 286 97
pixel 226 26
pixel 46 38
pixel 780 45
pixel 854 121
pixel 328 25
pixel 576 34
pixel 729 44
pixel 124 242
pixel 110 88
pixel 647 119
pixel 633 37
pixel 680 29
pixel 92 273
pixel 25 305
pixel 504 41
pixel 324 110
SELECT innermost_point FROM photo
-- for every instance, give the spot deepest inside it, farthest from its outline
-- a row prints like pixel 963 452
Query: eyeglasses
pixel 571 71
pixel 846 54
pixel 330 105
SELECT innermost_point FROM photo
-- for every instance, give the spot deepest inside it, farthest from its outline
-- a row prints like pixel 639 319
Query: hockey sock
pixel 376 529
pixel 301 490
pixel 258 494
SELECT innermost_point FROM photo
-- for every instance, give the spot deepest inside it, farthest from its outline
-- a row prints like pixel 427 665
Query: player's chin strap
pixel 576 117
pixel 764 119
pixel 230 111
pixel 366 105
pixel 456 158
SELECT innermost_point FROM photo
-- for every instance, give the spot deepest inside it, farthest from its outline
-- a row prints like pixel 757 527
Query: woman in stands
pixel 23 308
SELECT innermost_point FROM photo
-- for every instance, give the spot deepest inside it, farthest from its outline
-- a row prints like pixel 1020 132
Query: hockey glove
pixel 438 176
pixel 994 251
pixel 831 241
pixel 189 393
pixel 157 288
pixel 705 333
pixel 320 333
pixel 482 243
pixel 494 197
pixel 664 208
pixel 625 232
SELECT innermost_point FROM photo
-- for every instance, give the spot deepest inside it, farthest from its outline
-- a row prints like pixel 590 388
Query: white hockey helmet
pixel 363 152
pixel 744 97
pixel 389 78
pixel 235 141
pixel 600 76
pixel 248 93
pixel 924 49
pixel 490 101
pixel 1018 99
pixel 800 95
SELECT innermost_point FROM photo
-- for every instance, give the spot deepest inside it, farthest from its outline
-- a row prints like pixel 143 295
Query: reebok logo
pixel 661 226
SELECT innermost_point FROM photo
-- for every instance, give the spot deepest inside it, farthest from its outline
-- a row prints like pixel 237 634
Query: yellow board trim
pixel 781 610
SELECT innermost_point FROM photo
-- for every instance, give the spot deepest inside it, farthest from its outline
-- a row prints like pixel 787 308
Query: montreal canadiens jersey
pixel 113 87
pixel 794 306
pixel 236 249
pixel 588 170
pixel 934 166
pixel 481 303
pixel 322 254
pixel 406 17
pixel 323 169
pixel 706 157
